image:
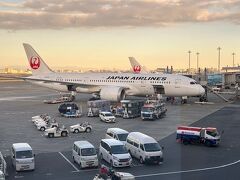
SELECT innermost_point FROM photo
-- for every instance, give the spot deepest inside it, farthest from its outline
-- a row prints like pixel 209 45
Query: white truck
pixel 56 132
pixel 83 127
pixel 152 111
pixel 193 135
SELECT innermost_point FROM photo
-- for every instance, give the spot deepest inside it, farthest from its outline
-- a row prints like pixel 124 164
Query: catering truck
pixel 193 135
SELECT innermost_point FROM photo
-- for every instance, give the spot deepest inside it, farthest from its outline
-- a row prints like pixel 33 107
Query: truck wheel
pixel 88 130
pixel 76 131
pixel 50 135
pixel 207 143
pixel 141 160
pixel 185 142
pixel 80 165
pixel 64 134
pixel 42 129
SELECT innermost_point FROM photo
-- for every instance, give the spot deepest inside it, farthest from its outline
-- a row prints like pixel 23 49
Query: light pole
pixel 233 54
pixel 197 60
pixel 189 65
pixel 219 49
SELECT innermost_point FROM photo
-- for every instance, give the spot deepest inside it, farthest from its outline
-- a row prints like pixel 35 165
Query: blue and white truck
pixel 197 135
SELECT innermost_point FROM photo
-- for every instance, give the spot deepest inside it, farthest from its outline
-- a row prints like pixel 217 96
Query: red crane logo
pixel 35 62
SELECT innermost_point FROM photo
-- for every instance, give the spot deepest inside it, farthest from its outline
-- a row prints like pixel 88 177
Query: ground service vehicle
pixel 96 106
pixel 117 176
pixel 84 154
pixel 115 153
pixel 118 134
pixel 132 108
pixel 83 127
pixel 3 167
pixel 43 117
pixel 62 99
pixel 144 148
pixel 42 126
pixel 22 157
pixel 107 117
pixel 2 176
pixel 191 135
pixel 56 132
pixel 72 113
pixel 153 111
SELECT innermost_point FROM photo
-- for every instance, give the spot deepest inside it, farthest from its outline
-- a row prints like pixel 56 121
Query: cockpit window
pixel 193 82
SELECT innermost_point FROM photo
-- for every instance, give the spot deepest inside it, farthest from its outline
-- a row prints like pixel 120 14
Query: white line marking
pixel 18 177
pixel 69 161
pixel 191 170
pixel 85 170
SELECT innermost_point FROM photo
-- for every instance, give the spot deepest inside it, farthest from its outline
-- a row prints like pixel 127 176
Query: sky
pixel 102 34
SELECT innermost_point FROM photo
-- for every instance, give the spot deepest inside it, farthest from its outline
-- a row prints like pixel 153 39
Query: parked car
pixel 107 117
pixel 144 148
pixel 118 134
pixel 115 153
pixel 84 154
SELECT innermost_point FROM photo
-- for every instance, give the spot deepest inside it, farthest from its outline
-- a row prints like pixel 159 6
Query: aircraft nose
pixel 201 90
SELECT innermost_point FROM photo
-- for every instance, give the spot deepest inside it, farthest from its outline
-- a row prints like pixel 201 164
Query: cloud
pixel 58 14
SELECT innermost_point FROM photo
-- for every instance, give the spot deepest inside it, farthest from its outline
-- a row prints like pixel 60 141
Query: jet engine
pixel 112 93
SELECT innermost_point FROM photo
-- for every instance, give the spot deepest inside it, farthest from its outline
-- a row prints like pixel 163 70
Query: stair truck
pixel 196 135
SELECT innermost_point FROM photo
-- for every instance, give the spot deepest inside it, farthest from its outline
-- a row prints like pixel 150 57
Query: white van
pixel 22 157
pixel 115 153
pixel 118 134
pixel 84 154
pixel 144 148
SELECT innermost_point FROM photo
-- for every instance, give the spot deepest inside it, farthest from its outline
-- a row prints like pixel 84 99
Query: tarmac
pixel 19 101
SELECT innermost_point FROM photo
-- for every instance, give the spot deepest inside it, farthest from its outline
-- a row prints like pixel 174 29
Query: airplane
pixel 110 86
pixel 138 68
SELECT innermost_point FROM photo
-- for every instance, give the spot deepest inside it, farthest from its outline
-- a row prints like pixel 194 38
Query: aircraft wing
pixel 30 78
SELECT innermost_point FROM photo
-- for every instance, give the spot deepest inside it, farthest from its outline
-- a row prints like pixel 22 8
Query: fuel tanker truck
pixel 197 135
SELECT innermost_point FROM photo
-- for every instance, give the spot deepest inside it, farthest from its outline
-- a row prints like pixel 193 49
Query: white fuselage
pixel 134 84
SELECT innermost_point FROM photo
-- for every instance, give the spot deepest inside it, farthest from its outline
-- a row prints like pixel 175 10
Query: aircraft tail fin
pixel 136 66
pixel 37 65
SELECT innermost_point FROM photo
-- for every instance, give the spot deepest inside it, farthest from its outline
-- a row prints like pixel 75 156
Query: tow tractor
pixel 83 127
pixel 42 117
pixel 42 126
pixel 106 173
pixel 56 132
pixel 116 175
pixel 197 135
